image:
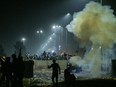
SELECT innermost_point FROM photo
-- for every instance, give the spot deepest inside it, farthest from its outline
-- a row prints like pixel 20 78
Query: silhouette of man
pixel 14 70
pixel 20 70
pixel 2 70
pixel 44 55
pixel 67 76
pixel 8 72
pixel 55 70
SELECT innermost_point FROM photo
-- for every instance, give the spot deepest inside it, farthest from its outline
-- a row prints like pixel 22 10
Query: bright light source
pixel 53 26
pixel 37 32
pixel 68 14
pixel 50 38
pixel 35 75
pixel 59 26
pixel 53 51
pixel 41 31
pixel 23 39
pixel 56 26
pixel 59 47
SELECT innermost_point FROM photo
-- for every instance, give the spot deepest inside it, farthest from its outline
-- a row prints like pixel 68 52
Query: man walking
pixel 55 70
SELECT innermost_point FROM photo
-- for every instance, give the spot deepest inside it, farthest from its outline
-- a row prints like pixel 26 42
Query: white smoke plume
pixel 96 23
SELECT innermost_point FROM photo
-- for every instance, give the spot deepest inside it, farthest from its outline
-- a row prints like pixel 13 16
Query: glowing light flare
pixel 56 26
pixel 53 51
pixel 53 26
pixel 23 39
pixel 68 14
pixel 50 38
pixel 59 47
pixel 39 31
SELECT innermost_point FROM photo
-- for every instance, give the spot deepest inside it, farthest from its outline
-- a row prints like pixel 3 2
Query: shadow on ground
pixel 84 83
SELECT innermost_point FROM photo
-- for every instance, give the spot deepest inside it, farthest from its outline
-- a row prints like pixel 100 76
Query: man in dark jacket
pixel 55 70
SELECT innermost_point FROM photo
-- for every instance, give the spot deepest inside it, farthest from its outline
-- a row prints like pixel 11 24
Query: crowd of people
pixel 12 72
pixel 48 56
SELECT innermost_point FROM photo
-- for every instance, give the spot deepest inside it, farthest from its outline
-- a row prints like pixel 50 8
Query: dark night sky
pixel 22 18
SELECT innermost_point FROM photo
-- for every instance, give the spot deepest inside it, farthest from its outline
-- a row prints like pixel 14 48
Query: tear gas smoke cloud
pixel 96 23
pixel 76 61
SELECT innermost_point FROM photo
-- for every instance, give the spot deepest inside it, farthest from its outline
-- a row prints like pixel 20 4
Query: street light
pixel 58 28
pixel 68 14
pixel 23 40
pixel 53 26
pixel 50 38
pixel 39 31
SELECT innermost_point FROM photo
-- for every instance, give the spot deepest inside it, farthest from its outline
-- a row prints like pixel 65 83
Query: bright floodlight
pixel 59 47
pixel 56 26
pixel 50 38
pixel 23 39
pixel 68 14
pixel 59 26
pixel 53 51
pixel 53 26
pixel 37 32
pixel 41 31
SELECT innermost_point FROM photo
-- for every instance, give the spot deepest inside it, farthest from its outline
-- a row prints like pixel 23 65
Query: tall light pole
pixel 68 17
pixel 39 32
pixel 58 28
pixel 66 40
pixel 23 40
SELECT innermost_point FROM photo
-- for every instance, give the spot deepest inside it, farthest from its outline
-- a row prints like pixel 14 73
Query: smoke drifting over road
pixel 96 23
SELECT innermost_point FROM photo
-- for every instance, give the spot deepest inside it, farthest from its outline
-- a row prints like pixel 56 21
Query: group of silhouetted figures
pixel 12 72
pixel 69 77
